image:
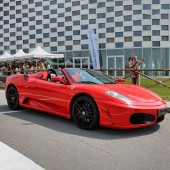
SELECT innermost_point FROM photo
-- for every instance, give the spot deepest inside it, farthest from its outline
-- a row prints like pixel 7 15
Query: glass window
pixel 46 44
pixel 53 39
pixel 38 4
pixel 12 42
pixel 128 7
pixel 68 38
pixel 60 34
pixel 110 9
pixel 136 2
pixel 45 35
pixel 155 1
pixel 68 9
pixel 136 12
pixel 46 26
pixel 25 15
pixel 110 40
pixel 46 16
pixel 32 27
pixel 25 41
pixel 101 15
pixel 84 27
pixel 165 38
pixel 156 32
pixel 118 13
pixel 68 18
pixel 17 3
pixel 53 20
pixel 84 37
pixel 76 22
pixel 32 18
pixel 25 32
pixel 156 43
pixel 155 22
pixel 38 22
pixel 164 16
pixel 84 46
pixel 137 33
pixel 102 35
pixel 165 6
pixel 61 5
pixel 31 10
pixel 12 34
pixel 155 11
pixel 128 28
pixel 111 29
pixel 119 45
pixel 25 23
pixel 146 6
pixel 128 18
pixel 92 1
pixel 74 13
pixel 84 17
pixel 137 44
pixel 146 38
pixel 101 25
pixel 60 15
pixel 146 16
pixel 75 3
pixel 68 28
pixel 61 43
pixel 19 29
pixel 39 40
pixel 53 48
pixel 92 11
pixel 61 24
pixel 76 42
pixel 118 3
pixel 146 27
pixel 6 30
pixel 119 34
pixel 69 47
pixel 111 19
pixel 137 22
pixel 53 29
pixel 54 11
pixel 102 45
pixel 127 39
pixel 6 22
pixel 119 24
pixel 46 7
pixel 32 36
pixel 53 2
pixel 100 4
pixel 85 6
pixel 164 27
pixel 76 32
pixel 32 45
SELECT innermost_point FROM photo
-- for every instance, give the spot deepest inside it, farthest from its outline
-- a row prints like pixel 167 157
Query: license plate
pixel 161 112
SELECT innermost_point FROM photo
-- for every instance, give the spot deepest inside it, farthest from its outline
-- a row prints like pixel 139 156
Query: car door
pixel 51 96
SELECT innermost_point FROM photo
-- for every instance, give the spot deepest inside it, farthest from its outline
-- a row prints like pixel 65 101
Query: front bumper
pixel 115 115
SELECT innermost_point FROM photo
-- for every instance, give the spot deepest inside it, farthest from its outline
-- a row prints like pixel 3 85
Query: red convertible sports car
pixel 89 97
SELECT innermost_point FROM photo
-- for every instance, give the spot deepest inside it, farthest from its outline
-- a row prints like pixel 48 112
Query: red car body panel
pixel 57 99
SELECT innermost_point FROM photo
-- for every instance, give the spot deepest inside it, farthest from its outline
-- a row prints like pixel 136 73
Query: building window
pixel 101 25
pixel 102 35
pixel 119 24
pixel 146 27
pixel 155 22
pixel 118 13
pixel 110 9
pixel 137 44
pixel 136 2
pixel 76 42
pixel 165 6
pixel 165 38
pixel 53 48
pixel 155 1
pixel 136 12
pixel 111 19
pixel 118 3
pixel 61 43
pixel 164 27
pixel 110 40
pixel 137 33
pixel 84 46
pixel 119 45
pixel 69 47
pixel 156 32
pixel 164 16
pixel 76 32
pixel 128 28
pixel 127 7
pixel 137 23
pixel 69 38
pixel 101 4
pixel 127 39
pixel 128 18
pixel 156 43
pixel 146 38
pixel 53 39
pixel 32 45
pixel 119 34
pixel 109 30
pixel 146 6
pixel 146 16
pixel 46 44
pixel 101 15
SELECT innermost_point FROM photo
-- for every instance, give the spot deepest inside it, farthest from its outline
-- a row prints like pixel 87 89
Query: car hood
pixel 136 93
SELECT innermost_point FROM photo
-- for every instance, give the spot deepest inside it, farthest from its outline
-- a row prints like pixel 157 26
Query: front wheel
pixel 85 113
pixel 13 98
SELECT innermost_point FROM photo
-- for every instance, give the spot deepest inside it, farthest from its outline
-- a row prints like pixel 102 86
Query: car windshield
pixel 89 76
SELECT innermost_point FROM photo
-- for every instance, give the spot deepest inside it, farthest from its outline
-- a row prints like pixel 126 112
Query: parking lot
pixel 56 143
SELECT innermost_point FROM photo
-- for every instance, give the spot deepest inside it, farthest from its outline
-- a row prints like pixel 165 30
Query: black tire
pixel 13 98
pixel 85 113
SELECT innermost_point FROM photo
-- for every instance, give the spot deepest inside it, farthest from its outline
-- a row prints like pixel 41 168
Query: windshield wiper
pixel 87 82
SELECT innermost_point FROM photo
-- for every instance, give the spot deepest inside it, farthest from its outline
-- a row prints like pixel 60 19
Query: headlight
pixel 118 96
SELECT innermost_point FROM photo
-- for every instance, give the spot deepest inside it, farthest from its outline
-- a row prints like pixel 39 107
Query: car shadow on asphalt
pixel 63 125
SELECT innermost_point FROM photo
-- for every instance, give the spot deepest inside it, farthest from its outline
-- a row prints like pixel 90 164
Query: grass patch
pixel 162 91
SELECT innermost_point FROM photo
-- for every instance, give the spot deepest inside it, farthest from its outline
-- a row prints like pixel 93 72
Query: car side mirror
pixel 120 80
pixel 59 79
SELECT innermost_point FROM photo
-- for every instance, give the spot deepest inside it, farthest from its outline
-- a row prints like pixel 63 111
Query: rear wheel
pixel 85 113
pixel 13 98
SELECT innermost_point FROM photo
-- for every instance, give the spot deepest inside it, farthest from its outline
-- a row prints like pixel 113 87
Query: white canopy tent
pixel 6 57
pixel 19 54
pixel 39 53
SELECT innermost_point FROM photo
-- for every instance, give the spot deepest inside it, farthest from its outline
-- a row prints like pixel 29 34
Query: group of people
pixel 134 65
pixel 23 67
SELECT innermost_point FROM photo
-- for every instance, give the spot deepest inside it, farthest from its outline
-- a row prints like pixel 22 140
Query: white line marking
pixel 6 112
pixel 11 159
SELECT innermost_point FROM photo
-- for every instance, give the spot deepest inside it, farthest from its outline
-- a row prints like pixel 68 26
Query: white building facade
pixel 122 28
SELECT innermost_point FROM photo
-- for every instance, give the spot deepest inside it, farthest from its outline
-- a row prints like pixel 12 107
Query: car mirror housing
pixel 120 80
